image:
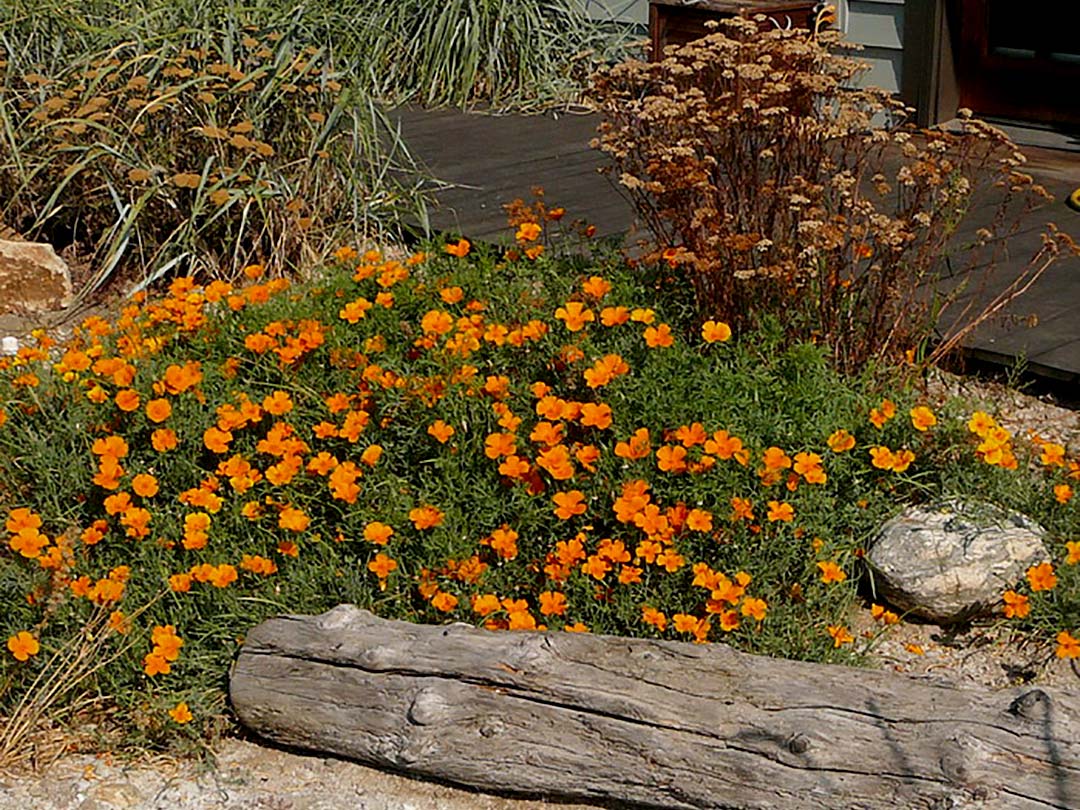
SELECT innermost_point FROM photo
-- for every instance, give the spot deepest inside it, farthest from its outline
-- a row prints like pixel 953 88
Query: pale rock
pixel 116 794
pixel 32 277
pixel 951 561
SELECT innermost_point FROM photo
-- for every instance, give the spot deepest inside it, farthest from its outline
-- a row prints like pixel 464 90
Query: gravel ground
pixel 246 776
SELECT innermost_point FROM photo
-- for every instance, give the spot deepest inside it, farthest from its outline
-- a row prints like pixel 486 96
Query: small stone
pixel 951 562
pixel 116 794
pixel 32 277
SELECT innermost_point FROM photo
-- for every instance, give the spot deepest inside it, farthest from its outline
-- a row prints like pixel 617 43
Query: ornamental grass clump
pixel 508 439
pixel 783 189
pixel 197 155
pixel 506 54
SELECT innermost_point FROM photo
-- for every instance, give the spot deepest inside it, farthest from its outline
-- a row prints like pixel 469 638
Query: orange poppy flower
pixel 158 410
pixel 552 603
pixel 499 444
pixel 127 400
pixel 440 431
pixel 840 441
pixel 840 635
pixel 514 467
pixel 425 517
pixel 155 664
pixel 258 565
pixel 216 440
pixel 293 519
pixel 754 608
pixel 596 415
pixel 278 403
pixel 444 602
pixel 922 418
pixel 460 249
pixel 382 566
pixel 378 533
pixel 614 316
pixel 636 447
pixel 831 572
pixel 715 331
pixel 28 542
pixel 163 440
pixel 503 541
pixel 780 511
pixel 596 567
pixel 528 232
pixel 356 310
pixel 23 645
pixel 556 461
pixel 656 618
pixel 671 458
pixel 1068 646
pixel 880 614
pixel 178 379
pixel 110 446
pixel 181 713
pixel 882 414
pixel 1053 455
pixel 569 504
pixel 22 518
pixel 699 520
pixel 1041 577
pixel 882 458
pixel 371 455
pixel 1017 605
pixel 575 315
pixel 222 575
pixel 659 336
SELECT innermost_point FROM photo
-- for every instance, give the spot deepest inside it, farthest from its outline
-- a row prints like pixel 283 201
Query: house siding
pixel 635 11
pixel 877 25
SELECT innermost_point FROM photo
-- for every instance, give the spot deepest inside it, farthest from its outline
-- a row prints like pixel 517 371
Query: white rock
pixel 952 561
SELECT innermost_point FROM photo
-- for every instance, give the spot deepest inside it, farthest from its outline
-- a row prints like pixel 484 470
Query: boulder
pixel 951 561
pixel 32 278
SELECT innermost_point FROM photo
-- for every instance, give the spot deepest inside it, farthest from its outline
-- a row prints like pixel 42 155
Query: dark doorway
pixel 1018 59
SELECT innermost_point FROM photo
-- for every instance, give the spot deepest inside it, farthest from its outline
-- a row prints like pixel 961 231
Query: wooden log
pixel 640 722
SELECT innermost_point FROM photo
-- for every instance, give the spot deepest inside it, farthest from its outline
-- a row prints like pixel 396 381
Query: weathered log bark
pixel 653 723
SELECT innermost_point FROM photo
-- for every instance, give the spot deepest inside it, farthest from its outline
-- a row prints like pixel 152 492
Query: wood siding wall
pixel 877 25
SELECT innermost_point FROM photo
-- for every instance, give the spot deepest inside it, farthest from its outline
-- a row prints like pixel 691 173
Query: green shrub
pixel 513 443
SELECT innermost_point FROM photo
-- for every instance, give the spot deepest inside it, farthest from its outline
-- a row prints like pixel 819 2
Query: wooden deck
pixel 491 160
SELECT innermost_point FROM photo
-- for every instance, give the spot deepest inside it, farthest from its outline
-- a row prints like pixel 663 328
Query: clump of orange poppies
pixel 522 443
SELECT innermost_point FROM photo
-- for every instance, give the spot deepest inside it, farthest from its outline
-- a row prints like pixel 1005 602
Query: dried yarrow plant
pixel 785 190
